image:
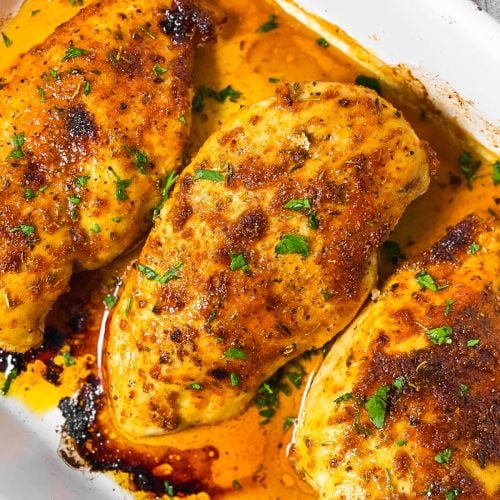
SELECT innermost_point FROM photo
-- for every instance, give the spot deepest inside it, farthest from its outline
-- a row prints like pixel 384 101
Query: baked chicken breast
pixel 267 248
pixel 92 120
pixel 406 403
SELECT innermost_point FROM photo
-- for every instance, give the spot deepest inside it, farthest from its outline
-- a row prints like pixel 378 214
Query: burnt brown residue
pixel 182 209
pixel 250 227
pixel 455 242
pixel 185 21
pixel 80 124
pixel 432 158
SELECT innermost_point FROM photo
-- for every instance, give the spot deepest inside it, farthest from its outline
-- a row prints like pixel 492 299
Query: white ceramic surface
pixel 446 43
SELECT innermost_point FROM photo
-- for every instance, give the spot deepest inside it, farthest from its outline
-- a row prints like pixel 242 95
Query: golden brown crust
pixel 448 400
pixel 95 105
pixel 356 163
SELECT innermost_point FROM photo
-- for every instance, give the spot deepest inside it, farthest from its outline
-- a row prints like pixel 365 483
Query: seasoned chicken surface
pixel 406 403
pixel 266 249
pixel 92 121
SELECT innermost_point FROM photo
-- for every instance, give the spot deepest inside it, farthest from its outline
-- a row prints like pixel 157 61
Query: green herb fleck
pixel 110 301
pixel 235 379
pixel 322 43
pixel 44 188
pixel 474 248
pixel 26 229
pixel 169 489
pixel 116 219
pixel 81 180
pixel 209 175
pixel 145 30
pixel 8 381
pixel 472 342
pixel 128 304
pixel 303 204
pixel 313 220
pixel 425 280
pixel 220 96
pixel 234 352
pixel 428 491
pixel 452 494
pixel 236 484
pixel 95 228
pixel 463 389
pixel 443 457
pixel 399 383
pixel 152 275
pixel 29 194
pixel 183 120
pixel 196 386
pixel 68 360
pixel 159 70
pixel 165 193
pixel 87 89
pixel 447 307
pixel 292 243
pixel 75 199
pixel 440 335
pixel 273 80
pixel 468 167
pixel 140 158
pixel 495 175
pixel 401 442
pixel 73 52
pixel 35 12
pixel 376 406
pixel 344 397
pixel 289 421
pixel 269 25
pixel 238 262
pixel 121 186
pixel 54 73
pixel 18 143
pixel 6 40
pixel 41 94
pixel 369 82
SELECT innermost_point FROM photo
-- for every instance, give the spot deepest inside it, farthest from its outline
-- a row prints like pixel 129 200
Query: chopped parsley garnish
pixel 313 220
pixel 376 406
pixel 6 40
pixel 81 180
pixel 110 301
pixel 447 307
pixel 152 275
pixel 165 193
pixel 238 262
pixel 18 143
pixel 29 194
pixel 463 389
pixel 128 304
pixel 140 158
pixel 468 167
pixel 95 228
pixel 26 229
pixel 474 248
pixel 472 342
pixel 236 484
pixel 443 457
pixel 35 12
pixel 8 381
pixel 68 360
pixel 74 199
pixel 41 94
pixel 169 489
pixel 54 73
pixel 298 204
pixel 292 243
pixel 196 386
pixel 344 397
pixel 220 96
pixel 425 280
pixel 401 442
pixel 159 70
pixel 273 80
pixel 322 43
pixel 451 494
pixel 234 352
pixel 87 89
pixel 269 25
pixel 428 491
pixel 145 30
pixel 289 421
pixel 75 2
pixel 209 175
pixel 183 120
pixel 369 82
pixel 121 186
pixel 399 383
pixel 441 335
pixel 495 174
pixel 44 188
pixel 234 379
pixel 392 251
pixel 72 52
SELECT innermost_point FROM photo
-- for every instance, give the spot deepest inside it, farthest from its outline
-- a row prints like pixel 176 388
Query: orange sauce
pixel 239 458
